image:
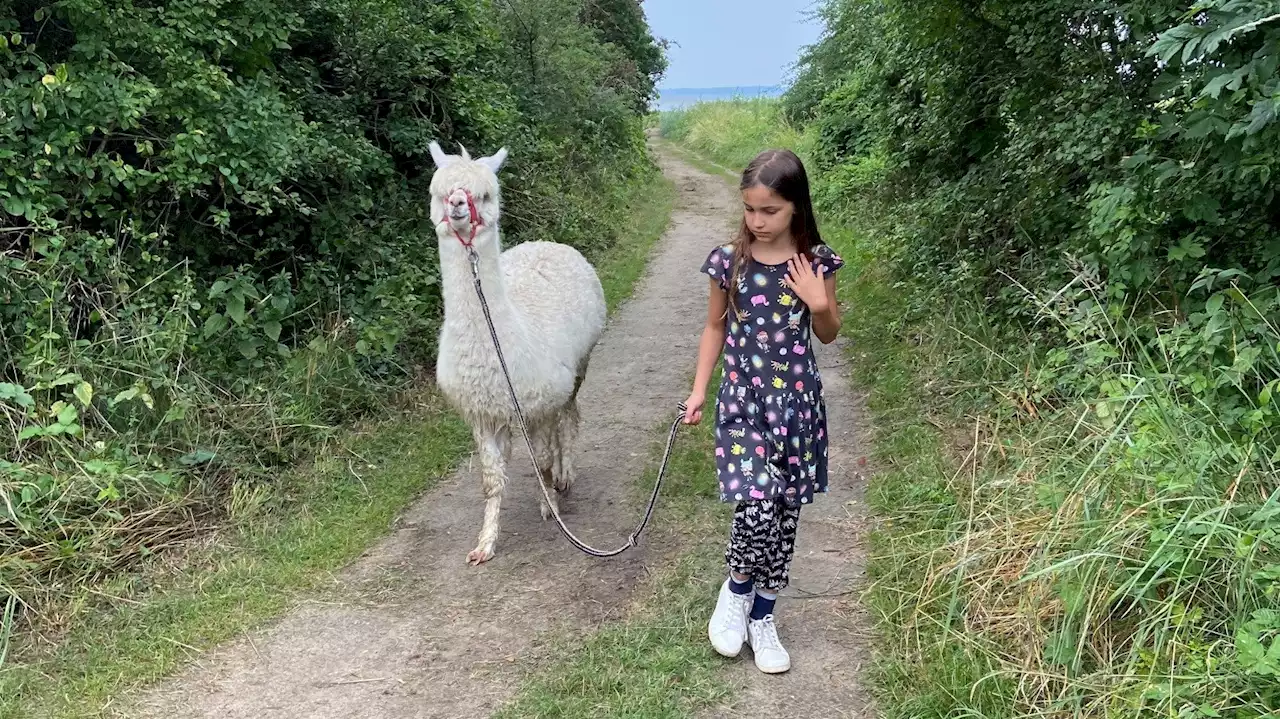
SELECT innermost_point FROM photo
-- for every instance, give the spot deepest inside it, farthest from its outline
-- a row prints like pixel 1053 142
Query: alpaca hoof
pixel 546 511
pixel 562 487
pixel 479 556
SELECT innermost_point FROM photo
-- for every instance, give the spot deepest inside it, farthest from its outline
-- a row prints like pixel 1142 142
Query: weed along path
pixel 410 630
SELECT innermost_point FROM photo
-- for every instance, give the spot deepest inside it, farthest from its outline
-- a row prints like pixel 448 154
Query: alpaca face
pixel 458 178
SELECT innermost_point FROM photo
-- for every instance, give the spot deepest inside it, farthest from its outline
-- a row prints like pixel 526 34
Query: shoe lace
pixel 767 633
pixel 738 608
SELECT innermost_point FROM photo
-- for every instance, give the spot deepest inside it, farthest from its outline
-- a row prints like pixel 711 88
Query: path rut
pixel 412 631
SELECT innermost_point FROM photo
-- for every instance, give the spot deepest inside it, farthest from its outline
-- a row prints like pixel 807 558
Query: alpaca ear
pixel 494 162
pixel 466 156
pixel 438 156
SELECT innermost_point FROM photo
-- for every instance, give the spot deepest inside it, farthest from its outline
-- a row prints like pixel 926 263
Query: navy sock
pixel 763 605
pixel 739 587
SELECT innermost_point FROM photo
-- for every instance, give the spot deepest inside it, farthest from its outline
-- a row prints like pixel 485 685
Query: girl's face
pixel 767 214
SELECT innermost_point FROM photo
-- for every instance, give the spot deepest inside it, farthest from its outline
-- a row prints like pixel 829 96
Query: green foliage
pixel 1073 204
pixel 1069 314
pixel 217 246
pixel 640 60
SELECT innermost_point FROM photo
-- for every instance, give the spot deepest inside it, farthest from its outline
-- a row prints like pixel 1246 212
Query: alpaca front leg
pixel 493 472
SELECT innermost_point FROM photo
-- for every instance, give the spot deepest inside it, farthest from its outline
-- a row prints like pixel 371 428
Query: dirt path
pixel 412 631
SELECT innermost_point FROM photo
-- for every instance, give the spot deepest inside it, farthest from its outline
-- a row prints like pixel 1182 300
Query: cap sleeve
pixel 827 258
pixel 718 265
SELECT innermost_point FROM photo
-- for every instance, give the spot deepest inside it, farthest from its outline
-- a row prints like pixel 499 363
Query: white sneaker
pixel 728 626
pixel 771 658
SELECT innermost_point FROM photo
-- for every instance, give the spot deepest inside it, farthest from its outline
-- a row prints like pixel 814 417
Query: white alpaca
pixel 548 309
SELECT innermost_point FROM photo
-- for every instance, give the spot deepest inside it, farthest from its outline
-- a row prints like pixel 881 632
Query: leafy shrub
pixel 1067 242
pixel 217 246
pixel 1075 203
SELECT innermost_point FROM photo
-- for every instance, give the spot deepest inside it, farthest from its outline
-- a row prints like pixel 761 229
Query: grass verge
pixel 621 267
pixel 281 544
pixel 282 540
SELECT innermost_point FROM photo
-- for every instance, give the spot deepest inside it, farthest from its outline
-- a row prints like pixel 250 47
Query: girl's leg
pixel 772 577
pixel 747 552
pixel 745 555
pixel 775 573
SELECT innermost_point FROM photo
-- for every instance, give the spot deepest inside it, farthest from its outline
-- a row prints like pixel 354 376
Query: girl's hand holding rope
pixel 693 408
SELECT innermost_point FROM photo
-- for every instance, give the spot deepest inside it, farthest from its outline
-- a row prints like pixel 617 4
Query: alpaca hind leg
pixel 567 433
pixel 544 445
pixel 566 436
pixel 492 442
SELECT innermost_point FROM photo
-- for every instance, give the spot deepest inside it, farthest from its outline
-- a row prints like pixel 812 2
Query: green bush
pixel 1074 204
pixel 1066 305
pixel 1023 150
pixel 217 246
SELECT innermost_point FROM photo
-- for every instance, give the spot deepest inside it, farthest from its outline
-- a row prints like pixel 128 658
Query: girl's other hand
pixel 808 285
pixel 693 408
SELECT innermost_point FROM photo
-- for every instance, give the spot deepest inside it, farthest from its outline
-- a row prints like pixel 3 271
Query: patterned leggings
pixel 762 541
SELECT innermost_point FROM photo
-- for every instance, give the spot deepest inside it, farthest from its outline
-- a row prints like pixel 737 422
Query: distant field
pixel 678 97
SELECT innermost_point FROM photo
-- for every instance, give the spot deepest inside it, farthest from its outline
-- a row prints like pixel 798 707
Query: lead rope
pixel 662 469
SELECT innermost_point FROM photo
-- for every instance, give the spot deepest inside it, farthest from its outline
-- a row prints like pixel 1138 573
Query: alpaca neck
pixel 462 308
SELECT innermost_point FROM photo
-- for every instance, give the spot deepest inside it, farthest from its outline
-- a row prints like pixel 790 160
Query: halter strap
pixel 476 221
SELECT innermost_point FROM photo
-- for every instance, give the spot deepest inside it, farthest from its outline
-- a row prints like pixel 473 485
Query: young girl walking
pixel 772 288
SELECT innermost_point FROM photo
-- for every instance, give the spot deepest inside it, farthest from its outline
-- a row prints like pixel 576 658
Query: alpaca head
pixel 459 183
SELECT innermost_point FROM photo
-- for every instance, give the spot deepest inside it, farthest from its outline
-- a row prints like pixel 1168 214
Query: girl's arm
pixel 826 320
pixel 818 292
pixel 708 352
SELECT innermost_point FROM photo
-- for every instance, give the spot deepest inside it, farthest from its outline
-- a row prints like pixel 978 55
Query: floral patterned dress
pixel 771 433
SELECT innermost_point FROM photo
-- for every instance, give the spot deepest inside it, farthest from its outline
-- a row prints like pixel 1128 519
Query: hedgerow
pixel 216 243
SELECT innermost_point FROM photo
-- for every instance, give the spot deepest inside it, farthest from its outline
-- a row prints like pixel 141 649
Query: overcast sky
pixel 723 43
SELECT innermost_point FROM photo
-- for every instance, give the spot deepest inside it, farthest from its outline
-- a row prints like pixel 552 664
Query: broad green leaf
pixel 15 205
pixel 17 394
pixel 1249 650
pixel 235 308
pixel 272 329
pixel 123 396
pixel 1264 397
pixel 1216 85
pixel 84 393
pixel 214 325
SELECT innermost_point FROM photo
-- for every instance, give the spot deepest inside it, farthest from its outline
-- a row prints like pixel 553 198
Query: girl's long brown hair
pixel 784 173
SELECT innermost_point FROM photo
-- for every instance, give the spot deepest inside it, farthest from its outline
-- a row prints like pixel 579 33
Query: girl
pixel 771 288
